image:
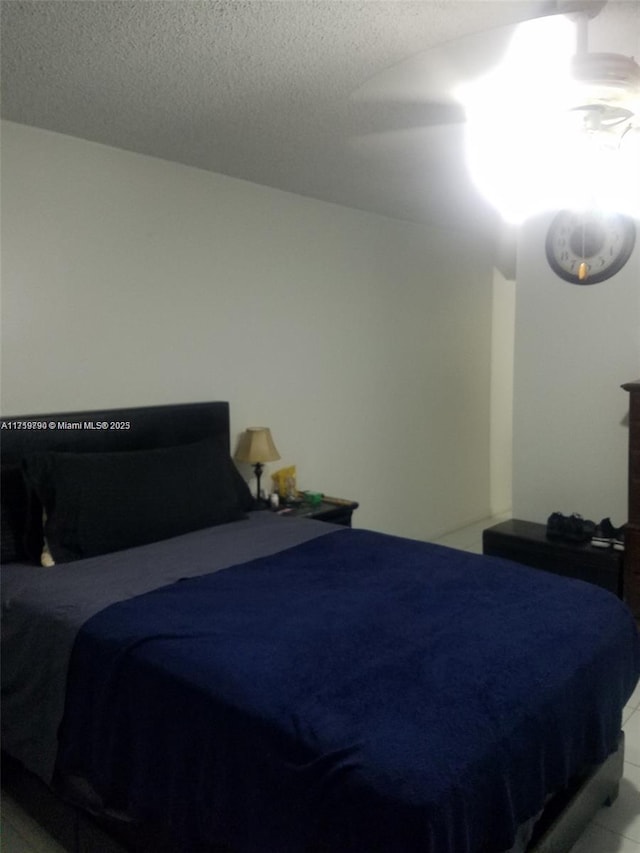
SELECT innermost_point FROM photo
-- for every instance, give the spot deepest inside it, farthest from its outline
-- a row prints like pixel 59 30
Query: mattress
pixel 43 609
pixel 321 688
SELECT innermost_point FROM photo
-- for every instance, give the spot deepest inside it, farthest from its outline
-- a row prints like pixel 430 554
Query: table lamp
pixel 256 447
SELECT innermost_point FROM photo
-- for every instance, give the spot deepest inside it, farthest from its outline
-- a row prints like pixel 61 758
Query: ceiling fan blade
pixel 404 115
pixel 419 92
pixel 435 74
pixel 426 146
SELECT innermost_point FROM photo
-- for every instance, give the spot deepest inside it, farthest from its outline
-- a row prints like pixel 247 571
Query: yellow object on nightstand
pixel 284 482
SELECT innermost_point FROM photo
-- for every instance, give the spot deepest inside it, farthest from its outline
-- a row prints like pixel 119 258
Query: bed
pixel 227 679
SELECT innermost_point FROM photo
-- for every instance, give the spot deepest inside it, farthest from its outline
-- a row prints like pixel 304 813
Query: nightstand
pixel 335 510
pixel 526 542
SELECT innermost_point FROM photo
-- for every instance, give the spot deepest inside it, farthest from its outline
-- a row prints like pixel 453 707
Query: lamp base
pixel 258 468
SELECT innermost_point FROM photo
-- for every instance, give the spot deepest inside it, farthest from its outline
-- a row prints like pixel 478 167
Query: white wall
pixel 363 342
pixel 574 347
pixel 502 344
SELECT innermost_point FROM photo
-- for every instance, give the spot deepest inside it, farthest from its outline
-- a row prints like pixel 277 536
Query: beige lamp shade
pixel 256 445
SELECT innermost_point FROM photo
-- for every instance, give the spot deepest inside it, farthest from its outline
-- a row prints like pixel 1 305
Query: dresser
pixel 632 534
pixel 526 542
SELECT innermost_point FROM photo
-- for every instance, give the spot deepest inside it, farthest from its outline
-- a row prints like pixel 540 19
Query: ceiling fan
pixel 607 91
pixel 506 79
pixel 608 87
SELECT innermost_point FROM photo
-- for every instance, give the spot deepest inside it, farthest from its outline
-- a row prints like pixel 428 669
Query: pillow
pixel 46 557
pixel 243 493
pixel 96 503
pixel 13 512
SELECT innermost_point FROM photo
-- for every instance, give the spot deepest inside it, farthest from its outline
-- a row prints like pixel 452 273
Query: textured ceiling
pixel 261 89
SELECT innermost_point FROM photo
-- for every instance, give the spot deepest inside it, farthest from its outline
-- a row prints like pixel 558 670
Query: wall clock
pixel 585 247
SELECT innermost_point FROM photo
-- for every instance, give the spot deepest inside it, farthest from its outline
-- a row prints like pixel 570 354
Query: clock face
pixel 588 247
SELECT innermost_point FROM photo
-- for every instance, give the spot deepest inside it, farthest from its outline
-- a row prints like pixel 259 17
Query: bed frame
pixel 85 432
pixel 566 815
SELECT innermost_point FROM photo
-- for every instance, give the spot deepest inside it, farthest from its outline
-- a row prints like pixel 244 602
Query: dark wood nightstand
pixel 335 510
pixel 526 542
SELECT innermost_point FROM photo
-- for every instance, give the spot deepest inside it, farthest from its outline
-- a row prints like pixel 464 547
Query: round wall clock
pixel 591 246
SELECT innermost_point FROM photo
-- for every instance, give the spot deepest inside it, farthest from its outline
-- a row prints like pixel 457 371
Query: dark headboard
pixel 101 430
pixel 149 426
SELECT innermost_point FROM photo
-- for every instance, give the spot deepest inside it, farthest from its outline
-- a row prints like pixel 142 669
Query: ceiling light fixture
pixel 549 130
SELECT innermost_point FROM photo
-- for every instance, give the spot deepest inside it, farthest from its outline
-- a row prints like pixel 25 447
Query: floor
pixel 613 830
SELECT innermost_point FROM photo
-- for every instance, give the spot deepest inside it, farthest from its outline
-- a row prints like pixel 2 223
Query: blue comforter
pixel 360 692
